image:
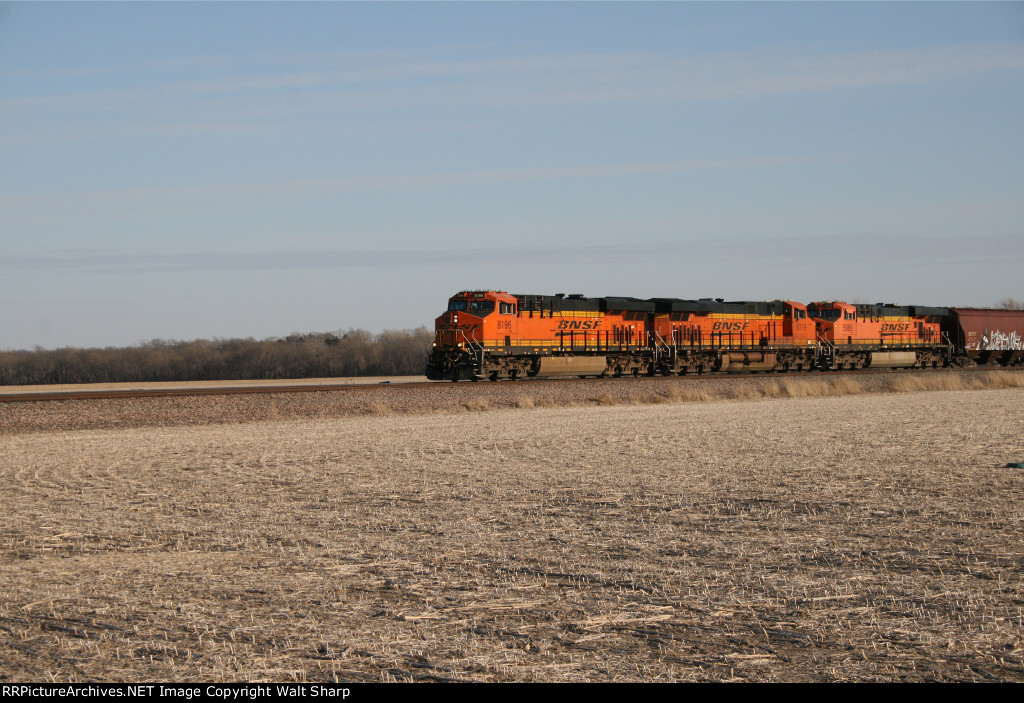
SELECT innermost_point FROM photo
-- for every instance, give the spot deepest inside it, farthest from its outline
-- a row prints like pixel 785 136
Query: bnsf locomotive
pixel 492 335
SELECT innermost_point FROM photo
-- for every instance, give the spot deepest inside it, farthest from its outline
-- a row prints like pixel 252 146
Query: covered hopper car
pixel 493 334
pixel 982 336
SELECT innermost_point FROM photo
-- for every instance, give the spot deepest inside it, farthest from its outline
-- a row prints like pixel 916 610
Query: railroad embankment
pixel 387 399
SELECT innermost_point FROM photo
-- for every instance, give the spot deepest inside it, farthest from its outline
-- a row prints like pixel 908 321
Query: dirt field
pixel 864 537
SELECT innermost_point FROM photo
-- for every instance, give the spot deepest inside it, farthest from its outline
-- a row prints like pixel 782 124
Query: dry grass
pixel 870 537
pixel 999 379
pixel 524 402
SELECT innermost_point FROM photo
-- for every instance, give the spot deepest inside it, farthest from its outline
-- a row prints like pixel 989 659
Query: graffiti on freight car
pixel 999 341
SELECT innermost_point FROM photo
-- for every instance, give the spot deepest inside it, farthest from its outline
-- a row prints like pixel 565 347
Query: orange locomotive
pixel 491 334
pixel 715 335
pixel 880 336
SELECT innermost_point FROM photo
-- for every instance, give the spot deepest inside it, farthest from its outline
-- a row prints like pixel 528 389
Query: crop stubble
pixel 864 537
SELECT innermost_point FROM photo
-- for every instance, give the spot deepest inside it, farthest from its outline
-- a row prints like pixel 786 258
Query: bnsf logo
pixel 579 324
pixel 896 327
pixel 730 326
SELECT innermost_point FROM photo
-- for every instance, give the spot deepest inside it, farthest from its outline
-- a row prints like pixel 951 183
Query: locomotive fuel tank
pixel 743 362
pixel 571 366
pixel 892 359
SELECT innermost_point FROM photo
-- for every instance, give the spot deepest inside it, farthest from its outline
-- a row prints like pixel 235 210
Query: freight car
pixel 981 336
pixel 492 335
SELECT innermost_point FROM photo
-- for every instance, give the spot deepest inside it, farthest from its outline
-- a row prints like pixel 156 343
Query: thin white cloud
pixel 355 84
pixel 601 77
pixel 796 250
pixel 109 204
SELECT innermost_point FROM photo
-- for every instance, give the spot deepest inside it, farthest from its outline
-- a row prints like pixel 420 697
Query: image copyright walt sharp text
pixel 226 693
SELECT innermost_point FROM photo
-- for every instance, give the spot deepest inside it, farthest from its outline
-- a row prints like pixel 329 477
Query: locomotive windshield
pixel 481 308
pixel 830 315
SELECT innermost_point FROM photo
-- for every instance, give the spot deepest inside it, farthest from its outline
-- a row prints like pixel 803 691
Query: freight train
pixel 493 335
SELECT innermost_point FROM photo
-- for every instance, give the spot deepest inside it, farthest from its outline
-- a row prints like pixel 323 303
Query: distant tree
pixel 1010 304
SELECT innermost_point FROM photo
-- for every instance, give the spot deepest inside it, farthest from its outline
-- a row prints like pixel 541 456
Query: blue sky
pixel 185 170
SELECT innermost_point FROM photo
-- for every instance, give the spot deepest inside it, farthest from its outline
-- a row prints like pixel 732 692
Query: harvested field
pixel 863 537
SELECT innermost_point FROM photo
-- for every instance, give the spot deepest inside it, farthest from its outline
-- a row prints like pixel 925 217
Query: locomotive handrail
pixel 950 347
pixel 826 349
pixel 661 347
pixel 476 348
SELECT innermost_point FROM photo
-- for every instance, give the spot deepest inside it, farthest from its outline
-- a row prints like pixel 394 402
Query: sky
pixel 237 169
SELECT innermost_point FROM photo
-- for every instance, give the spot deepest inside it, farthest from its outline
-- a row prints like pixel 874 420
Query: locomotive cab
pixel 797 322
pixel 835 322
pixel 475 323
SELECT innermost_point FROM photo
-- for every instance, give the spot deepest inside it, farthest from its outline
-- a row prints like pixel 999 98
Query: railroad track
pixel 10 394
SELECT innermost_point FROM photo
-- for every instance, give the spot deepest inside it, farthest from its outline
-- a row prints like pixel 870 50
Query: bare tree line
pixel 317 355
